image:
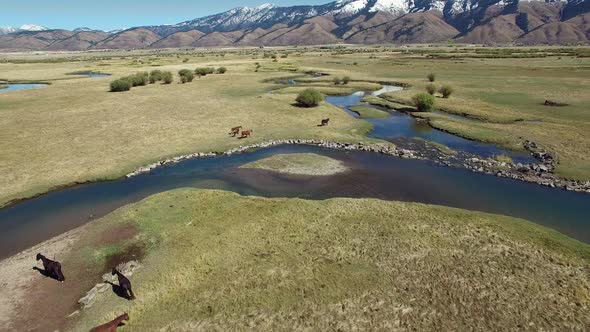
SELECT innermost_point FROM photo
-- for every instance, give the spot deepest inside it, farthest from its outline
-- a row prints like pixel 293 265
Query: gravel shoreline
pixel 540 173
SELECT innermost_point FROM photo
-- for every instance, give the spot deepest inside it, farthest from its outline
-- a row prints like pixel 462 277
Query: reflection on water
pixel 400 125
pixel 372 175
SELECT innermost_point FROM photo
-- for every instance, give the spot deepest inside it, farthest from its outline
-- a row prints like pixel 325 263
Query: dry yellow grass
pixel 75 131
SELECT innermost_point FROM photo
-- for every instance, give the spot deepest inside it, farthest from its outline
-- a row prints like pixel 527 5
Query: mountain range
pixel 344 21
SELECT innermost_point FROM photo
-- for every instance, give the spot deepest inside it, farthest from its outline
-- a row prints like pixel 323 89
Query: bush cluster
pixel 424 102
pixel 140 79
pixel 186 75
pixel 204 71
pixel 446 91
pixel 309 98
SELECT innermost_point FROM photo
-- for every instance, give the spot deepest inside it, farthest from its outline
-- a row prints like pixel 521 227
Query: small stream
pixel 401 125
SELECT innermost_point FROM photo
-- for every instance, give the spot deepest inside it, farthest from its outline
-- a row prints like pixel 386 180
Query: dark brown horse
pixel 52 268
pixel 125 284
pixel 325 122
pixel 246 133
pixel 112 325
pixel 235 130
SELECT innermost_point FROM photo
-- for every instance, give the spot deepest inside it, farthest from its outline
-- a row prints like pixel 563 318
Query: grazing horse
pixel 246 133
pixel 325 122
pixel 235 130
pixel 52 268
pixel 112 325
pixel 125 284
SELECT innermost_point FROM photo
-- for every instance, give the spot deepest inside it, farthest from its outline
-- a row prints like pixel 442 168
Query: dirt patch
pixel 133 252
pixel 116 234
pixel 27 296
pixel 33 302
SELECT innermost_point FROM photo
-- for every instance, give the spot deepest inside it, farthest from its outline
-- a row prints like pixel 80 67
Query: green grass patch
pixel 369 112
pixel 227 260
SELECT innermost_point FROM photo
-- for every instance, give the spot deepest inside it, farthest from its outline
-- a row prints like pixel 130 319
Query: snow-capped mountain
pixel 25 27
pixel 340 21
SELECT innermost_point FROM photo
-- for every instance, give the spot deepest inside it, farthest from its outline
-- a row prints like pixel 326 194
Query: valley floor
pixel 76 131
pixel 217 260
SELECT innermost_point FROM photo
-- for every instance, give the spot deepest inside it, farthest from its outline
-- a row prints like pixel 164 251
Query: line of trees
pixel 141 79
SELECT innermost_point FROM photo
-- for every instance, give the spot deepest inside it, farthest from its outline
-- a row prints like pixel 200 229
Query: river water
pixel 372 175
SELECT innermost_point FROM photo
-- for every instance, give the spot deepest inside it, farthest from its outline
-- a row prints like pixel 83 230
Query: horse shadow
pixel 46 273
pixel 119 291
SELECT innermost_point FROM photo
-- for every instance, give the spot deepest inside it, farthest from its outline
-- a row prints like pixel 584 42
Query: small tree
pixel 337 80
pixel 431 77
pixel 345 80
pixel 120 85
pixel 155 76
pixel 138 79
pixel 221 70
pixel 446 91
pixel 431 89
pixel 423 102
pixel 204 71
pixel 309 98
pixel 167 77
pixel 186 75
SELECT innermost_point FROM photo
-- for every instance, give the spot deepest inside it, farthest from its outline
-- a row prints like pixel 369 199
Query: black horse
pixel 52 268
pixel 125 284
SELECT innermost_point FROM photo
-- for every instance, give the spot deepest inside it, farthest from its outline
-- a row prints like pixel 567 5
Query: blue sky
pixel 116 14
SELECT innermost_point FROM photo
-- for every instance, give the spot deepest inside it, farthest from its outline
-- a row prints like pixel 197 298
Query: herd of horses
pixel 52 269
pixel 235 131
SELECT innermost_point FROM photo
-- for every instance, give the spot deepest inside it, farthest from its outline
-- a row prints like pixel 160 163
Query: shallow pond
pixel 92 74
pixel 23 86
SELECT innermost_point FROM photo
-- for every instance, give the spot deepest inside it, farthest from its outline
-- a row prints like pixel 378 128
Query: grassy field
pixel 500 87
pixel 219 261
pixel 76 131
pixel 369 112
pixel 299 164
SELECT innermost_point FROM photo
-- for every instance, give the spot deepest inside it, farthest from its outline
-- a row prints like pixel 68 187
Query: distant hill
pixel 345 21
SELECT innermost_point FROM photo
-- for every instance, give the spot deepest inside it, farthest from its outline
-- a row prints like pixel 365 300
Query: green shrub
pixel 167 77
pixel 446 91
pixel 186 75
pixel 204 71
pixel 309 98
pixel 431 89
pixel 423 102
pixel 155 76
pixel 119 85
pixel 221 70
pixel 139 79
pixel 345 80
pixel 431 77
pixel 337 81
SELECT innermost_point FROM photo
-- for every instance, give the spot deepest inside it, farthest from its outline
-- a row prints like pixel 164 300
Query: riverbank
pixel 352 262
pixel 534 173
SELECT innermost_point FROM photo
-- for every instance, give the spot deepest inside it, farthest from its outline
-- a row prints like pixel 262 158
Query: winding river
pixel 372 175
